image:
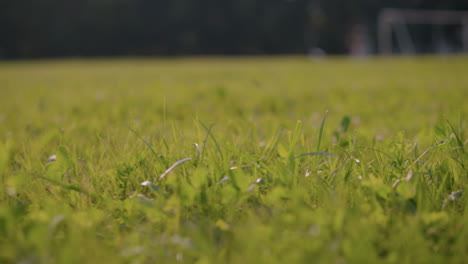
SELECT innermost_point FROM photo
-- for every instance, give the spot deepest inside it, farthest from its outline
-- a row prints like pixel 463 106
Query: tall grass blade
pixel 322 125
pixel 321 153
pixel 144 141
pixel 173 167
pixel 209 133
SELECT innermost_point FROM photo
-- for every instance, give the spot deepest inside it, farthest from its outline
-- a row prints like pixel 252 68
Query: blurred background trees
pixel 51 28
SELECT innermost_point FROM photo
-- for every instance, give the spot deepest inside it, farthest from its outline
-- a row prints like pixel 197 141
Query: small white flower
pixel 52 158
pixel 146 183
pixel 452 197
pixel 455 195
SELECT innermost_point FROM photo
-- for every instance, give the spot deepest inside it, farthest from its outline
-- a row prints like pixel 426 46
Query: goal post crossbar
pixel 389 17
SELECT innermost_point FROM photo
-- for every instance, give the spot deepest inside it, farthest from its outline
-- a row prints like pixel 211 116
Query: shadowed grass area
pixel 239 160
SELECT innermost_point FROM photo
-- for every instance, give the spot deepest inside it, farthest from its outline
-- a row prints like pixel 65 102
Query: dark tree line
pixel 49 28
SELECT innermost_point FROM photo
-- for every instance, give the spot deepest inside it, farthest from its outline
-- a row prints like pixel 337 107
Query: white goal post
pixel 395 20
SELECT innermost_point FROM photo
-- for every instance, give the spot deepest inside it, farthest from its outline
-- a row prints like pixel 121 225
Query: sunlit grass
pixel 265 160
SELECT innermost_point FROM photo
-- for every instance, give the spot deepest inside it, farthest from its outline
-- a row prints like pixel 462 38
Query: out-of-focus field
pixel 291 160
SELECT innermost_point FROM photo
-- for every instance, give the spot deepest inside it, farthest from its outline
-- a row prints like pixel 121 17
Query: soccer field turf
pixel 234 160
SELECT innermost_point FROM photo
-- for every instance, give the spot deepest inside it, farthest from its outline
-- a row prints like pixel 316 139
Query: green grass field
pixel 277 160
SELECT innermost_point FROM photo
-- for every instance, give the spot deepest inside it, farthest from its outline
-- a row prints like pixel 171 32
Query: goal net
pixel 422 31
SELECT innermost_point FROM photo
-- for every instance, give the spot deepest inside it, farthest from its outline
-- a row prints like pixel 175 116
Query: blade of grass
pixel 144 141
pixel 173 166
pixel 322 125
pixel 459 140
pixel 209 133
pixel 70 187
pixel 323 153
